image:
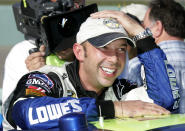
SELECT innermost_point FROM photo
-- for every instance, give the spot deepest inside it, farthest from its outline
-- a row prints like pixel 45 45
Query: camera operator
pixel 20 62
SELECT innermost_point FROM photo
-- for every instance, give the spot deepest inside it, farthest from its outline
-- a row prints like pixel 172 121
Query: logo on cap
pixel 111 23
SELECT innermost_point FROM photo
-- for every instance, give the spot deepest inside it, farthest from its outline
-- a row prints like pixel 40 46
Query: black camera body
pixel 50 23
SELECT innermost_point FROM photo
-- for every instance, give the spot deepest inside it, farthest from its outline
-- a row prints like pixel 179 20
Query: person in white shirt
pixel 20 62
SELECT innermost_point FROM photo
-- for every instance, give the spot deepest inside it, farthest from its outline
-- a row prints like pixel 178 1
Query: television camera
pixel 53 24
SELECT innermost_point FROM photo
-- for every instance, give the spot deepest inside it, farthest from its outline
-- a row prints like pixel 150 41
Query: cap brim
pixel 105 39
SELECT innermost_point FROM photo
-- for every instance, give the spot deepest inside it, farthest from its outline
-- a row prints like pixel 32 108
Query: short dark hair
pixel 171 14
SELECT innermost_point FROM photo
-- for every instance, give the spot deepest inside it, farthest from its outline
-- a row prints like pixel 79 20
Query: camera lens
pixel 67 26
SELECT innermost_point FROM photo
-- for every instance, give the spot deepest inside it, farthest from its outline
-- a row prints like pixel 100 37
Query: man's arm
pixel 44 112
pixel 137 108
pixel 15 67
pixel 160 76
pixel 38 100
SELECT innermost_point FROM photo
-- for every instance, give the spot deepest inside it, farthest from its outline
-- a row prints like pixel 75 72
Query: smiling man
pixel 104 56
pixel 88 84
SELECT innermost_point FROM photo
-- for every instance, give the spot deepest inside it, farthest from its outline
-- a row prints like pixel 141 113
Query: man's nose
pixel 114 56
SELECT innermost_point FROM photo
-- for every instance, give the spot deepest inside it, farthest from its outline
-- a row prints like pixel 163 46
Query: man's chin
pixel 107 83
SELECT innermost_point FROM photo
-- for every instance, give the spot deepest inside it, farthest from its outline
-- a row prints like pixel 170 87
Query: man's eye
pixel 122 50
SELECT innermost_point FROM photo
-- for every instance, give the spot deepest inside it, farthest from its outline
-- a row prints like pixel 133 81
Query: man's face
pixel 79 3
pixel 103 65
pixel 66 55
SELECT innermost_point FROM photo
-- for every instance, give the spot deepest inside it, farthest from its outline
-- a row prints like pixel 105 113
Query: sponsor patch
pixel 111 23
pixel 64 76
pixel 34 92
pixel 52 111
pixel 37 88
pixel 40 80
pixel 71 93
pixel 173 84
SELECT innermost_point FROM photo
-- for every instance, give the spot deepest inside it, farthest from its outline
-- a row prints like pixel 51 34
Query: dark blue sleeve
pixel 44 112
pixel 160 78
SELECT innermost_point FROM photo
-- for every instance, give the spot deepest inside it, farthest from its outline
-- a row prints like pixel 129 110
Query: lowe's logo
pixel 52 111
pixel 173 84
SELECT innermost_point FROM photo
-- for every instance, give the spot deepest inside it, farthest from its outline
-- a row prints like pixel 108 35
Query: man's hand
pixel 36 60
pixel 129 24
pixel 137 108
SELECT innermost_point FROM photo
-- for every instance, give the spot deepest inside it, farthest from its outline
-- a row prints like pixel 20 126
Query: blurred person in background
pixel 137 10
pixel 166 20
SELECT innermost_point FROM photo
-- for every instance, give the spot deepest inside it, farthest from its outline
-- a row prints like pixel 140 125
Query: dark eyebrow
pixel 124 44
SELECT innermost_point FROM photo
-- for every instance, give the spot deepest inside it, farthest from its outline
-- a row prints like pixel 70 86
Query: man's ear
pixel 158 29
pixel 78 51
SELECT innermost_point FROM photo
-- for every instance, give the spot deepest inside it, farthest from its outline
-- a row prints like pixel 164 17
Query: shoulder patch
pixel 34 92
pixel 39 82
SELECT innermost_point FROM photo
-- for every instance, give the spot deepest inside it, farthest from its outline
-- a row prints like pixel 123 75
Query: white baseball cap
pixel 137 10
pixel 100 32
